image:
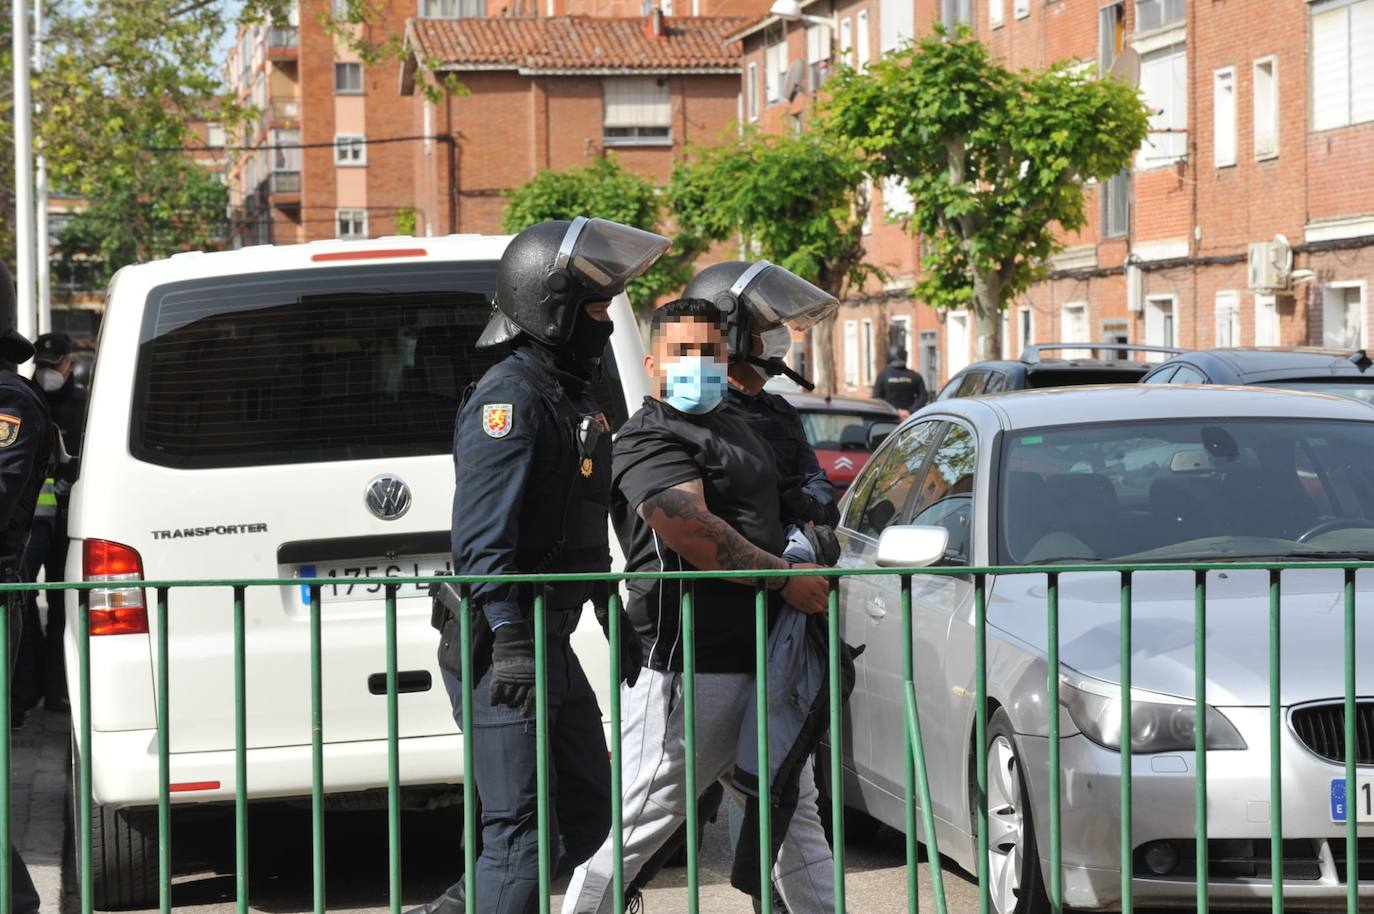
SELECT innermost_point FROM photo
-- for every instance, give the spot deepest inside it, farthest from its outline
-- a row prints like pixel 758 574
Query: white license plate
pixel 343 577
pixel 1362 801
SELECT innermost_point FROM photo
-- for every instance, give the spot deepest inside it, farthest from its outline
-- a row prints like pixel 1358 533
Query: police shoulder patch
pixel 497 419
pixel 9 429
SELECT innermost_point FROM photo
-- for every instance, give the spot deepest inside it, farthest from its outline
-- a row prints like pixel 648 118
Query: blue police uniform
pixel 532 460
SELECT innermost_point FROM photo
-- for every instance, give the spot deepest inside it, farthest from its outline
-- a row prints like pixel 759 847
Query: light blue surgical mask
pixel 696 384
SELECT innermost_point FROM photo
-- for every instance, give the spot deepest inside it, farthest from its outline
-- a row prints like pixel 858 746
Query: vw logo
pixel 387 497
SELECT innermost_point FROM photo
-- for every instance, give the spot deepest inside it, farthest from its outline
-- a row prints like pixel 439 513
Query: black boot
pixel 453 901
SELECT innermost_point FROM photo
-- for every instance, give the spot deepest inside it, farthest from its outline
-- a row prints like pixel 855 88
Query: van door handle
pixel 406 681
pixel 877 608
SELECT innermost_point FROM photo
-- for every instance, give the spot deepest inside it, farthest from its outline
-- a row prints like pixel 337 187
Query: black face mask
pixel 588 342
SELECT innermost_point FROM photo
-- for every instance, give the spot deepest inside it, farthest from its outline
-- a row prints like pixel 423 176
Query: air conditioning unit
pixel 1269 264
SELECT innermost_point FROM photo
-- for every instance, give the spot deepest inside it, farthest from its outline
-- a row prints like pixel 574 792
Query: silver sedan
pixel 1121 475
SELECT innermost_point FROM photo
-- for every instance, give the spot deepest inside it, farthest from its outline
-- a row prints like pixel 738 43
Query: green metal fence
pixel 917 793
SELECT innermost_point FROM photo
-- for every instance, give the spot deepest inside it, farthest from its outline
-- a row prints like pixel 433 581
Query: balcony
pixel 284 182
pixel 283 38
pixel 286 109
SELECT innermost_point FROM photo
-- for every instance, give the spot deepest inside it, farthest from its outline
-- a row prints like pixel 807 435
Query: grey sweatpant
pixel 654 779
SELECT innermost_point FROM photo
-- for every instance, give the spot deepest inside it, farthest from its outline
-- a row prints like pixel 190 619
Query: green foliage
pixel 605 190
pixel 994 159
pixel 405 220
pixel 795 199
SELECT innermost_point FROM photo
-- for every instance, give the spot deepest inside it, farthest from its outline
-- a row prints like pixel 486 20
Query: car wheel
pixel 1013 865
pixel 124 858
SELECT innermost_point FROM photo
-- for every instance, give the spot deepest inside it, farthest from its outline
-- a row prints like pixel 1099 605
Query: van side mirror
pixel 909 546
pixel 878 432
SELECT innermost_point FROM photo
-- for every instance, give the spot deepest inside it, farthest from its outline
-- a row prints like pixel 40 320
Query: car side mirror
pixel 878 432
pixel 907 546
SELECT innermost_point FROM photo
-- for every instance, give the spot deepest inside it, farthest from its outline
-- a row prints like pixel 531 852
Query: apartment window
pixel 339 8
pixel 352 223
pixel 851 353
pixel 1343 317
pixel 1266 108
pixel 775 71
pixel 1224 117
pixel 867 226
pixel 817 55
pixel 1164 84
pixel 1228 319
pixel 897 202
pixel 1266 320
pixel 870 369
pixel 847 41
pixel 452 9
pixel 1116 331
pixel 897 22
pixel 215 137
pixel 1021 8
pixel 1025 318
pixel 994 13
pixel 350 149
pixel 930 359
pixel 1111 34
pixel 956 340
pixel 638 111
pixel 1342 65
pixel 861 40
pixel 751 91
pixel 1156 14
pixel 1159 321
pixel 952 12
pixel 1115 194
pixel 348 78
pixel 1073 328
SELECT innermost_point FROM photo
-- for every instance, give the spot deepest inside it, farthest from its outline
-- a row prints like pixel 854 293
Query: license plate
pixel 344 575
pixel 1362 801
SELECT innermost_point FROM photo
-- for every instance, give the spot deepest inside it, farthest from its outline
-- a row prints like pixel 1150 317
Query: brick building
pixel 1262 128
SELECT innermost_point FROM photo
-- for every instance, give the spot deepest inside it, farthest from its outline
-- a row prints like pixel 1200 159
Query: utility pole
pixel 23 171
pixel 44 260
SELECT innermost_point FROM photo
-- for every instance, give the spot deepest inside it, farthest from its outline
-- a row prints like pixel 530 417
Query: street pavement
pixel 40 767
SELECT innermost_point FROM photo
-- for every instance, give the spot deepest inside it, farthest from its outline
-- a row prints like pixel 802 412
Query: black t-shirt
pixel 659 448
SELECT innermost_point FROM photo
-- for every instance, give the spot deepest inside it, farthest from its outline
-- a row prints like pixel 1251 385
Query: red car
pixel 843 432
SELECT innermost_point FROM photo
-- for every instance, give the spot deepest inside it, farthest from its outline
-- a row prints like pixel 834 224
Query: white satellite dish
pixel 792 82
pixel 1126 68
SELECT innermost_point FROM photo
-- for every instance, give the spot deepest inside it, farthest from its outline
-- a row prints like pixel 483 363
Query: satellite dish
pixel 792 82
pixel 1126 68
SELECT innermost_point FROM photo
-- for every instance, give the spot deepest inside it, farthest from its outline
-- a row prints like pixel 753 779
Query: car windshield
pixel 1361 389
pixel 836 431
pixel 1188 490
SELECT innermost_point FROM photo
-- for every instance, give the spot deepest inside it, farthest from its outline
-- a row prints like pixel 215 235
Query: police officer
pixel 901 387
pixel 532 453
pixel 25 449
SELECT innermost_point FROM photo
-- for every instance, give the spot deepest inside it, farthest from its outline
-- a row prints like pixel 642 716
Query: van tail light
pixel 117 610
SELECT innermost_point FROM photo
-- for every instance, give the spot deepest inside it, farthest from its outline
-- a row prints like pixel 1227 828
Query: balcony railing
pixel 286 108
pixel 283 38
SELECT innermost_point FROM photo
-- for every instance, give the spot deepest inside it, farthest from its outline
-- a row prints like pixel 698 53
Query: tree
pixel 995 160
pixel 794 199
pixel 605 190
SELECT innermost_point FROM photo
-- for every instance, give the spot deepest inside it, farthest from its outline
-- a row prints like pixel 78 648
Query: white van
pixel 244 404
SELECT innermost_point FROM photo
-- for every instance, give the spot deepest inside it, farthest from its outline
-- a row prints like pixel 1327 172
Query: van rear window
pixel 352 363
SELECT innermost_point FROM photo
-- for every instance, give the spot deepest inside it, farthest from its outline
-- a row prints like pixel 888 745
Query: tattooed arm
pixel 681 519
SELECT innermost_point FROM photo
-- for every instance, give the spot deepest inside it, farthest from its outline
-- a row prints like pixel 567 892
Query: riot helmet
pixel 551 270
pixel 896 355
pixel 14 346
pixel 766 299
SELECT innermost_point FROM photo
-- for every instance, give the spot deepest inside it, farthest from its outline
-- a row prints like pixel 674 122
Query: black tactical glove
pixel 631 650
pixel 823 543
pixel 512 668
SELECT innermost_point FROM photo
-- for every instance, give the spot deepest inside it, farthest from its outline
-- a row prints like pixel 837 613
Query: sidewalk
pixel 40 764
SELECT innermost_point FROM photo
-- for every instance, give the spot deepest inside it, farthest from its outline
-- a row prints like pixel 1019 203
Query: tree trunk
pixel 823 357
pixel 987 316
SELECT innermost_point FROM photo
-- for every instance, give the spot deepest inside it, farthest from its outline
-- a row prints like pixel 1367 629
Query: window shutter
pixel 861 40
pixel 1362 62
pixel 851 353
pixel 1224 117
pixel 637 102
pixel 1266 103
pixel 1330 68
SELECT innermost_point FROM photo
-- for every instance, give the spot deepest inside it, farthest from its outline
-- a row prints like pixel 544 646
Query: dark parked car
pixel 843 432
pixel 1329 371
pixel 1033 370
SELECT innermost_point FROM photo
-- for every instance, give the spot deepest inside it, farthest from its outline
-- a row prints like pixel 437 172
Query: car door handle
pixel 877 608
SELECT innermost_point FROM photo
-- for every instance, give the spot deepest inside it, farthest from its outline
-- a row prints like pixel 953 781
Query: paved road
pixel 356 854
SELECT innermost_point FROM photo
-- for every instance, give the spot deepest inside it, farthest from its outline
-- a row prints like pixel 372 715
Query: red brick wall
pixel 316 70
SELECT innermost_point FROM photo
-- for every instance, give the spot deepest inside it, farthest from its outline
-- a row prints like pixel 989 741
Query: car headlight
pixel 1159 723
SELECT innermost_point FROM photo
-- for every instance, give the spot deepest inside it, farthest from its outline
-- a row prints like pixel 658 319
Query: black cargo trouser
pixel 504 758
pixel 23 895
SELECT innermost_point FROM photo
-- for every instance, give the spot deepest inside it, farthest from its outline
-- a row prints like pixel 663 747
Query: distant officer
pixel 532 454
pixel 903 388
pixel 25 448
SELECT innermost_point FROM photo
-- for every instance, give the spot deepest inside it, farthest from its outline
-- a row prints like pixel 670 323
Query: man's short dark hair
pixel 689 309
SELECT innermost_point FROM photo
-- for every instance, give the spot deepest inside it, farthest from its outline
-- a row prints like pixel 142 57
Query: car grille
pixel 1365 848
pixel 1322 729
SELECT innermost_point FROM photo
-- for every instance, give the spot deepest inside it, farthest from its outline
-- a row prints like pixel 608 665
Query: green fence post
pixel 689 739
pixel 240 756
pixel 913 858
pixel 1200 732
pixel 1352 844
pixel 837 742
pixel 393 756
pixel 916 769
pixel 83 660
pixel 316 751
pixel 614 634
pixel 1056 773
pixel 164 766
pixel 765 789
pixel 980 734
pixel 469 785
pixel 1127 863
pixel 541 742
pixel 1275 760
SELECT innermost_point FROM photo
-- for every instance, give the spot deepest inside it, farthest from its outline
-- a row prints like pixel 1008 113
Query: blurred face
pixel 679 339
